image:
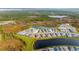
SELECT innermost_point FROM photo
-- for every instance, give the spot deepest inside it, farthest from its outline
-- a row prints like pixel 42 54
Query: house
pixel 66 28
pixel 28 31
pixel 44 29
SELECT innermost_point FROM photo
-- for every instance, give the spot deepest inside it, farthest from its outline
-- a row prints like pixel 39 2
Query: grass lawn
pixel 59 37
pixel 0 37
pixel 29 42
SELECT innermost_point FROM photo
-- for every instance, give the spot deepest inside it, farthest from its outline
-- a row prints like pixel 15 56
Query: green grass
pixel 0 37
pixel 75 38
pixel 29 42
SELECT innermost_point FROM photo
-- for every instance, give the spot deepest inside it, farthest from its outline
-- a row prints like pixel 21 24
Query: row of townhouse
pixel 61 48
pixel 49 35
pixel 35 30
pixel 67 28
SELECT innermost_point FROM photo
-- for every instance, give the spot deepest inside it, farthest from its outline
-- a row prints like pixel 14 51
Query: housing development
pixel 45 32
pixel 28 29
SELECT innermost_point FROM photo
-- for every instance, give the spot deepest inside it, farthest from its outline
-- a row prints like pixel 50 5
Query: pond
pixel 55 42
pixel 57 16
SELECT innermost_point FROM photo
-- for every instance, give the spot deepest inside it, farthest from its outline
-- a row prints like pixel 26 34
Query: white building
pixel 67 28
pixel 28 31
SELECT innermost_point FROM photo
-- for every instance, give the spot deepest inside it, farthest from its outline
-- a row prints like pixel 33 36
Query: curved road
pixel 55 42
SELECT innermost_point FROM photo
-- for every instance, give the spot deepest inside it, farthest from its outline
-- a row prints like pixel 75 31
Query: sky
pixel 39 3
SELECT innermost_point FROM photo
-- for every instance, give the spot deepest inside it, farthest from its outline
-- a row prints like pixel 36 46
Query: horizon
pixel 17 9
